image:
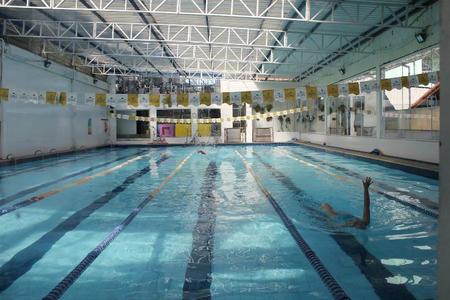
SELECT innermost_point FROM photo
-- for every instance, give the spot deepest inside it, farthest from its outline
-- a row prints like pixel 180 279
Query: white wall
pixel 24 70
pixel 27 128
pixel 409 149
pixel 444 174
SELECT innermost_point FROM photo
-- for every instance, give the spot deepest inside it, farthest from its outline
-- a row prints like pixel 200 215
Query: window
pixel 174 113
pixel 412 113
pixel 213 129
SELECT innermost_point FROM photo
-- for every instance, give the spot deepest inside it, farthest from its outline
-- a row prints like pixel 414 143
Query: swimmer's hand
pixel 367 182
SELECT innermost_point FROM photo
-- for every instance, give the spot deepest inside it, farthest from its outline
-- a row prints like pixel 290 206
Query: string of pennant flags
pixel 256 116
pixel 294 95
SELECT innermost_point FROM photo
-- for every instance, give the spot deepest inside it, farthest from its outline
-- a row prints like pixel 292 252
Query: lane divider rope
pixel 22 193
pixel 376 189
pixel 333 286
pixel 330 282
pixel 67 282
pixel 77 182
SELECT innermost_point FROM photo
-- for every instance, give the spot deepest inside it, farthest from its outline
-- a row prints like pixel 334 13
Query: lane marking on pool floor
pixel 52 164
pixel 24 260
pixel 328 280
pixel 369 265
pixel 69 185
pixel 71 175
pixel 67 282
pixel 377 188
pixel 198 277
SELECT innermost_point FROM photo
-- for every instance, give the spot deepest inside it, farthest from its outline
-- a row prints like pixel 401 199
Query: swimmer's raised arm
pixel 366 212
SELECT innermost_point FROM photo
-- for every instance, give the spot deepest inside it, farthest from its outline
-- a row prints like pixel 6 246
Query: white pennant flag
pixel 111 99
pixel 34 97
pixel 413 81
pixel 72 98
pixel 343 89
pixel 143 100
pixel 194 99
pixel 433 77
pixel 216 98
pixel 89 99
pixel 396 83
pixel 301 93
pixel 322 91
pixel 173 99
pixel 257 97
pixel 374 85
pixel 236 98
pixel 279 95
pixel 365 87
pixel 121 100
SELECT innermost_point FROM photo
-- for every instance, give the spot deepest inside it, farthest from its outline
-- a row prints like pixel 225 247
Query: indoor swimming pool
pixel 240 222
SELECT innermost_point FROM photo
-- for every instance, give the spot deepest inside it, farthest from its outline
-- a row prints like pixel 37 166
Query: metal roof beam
pixel 358 13
pixel 174 34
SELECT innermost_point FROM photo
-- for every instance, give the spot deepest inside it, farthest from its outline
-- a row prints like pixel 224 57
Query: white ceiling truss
pixel 189 73
pixel 351 12
pixel 239 39
pixel 185 52
pixel 176 34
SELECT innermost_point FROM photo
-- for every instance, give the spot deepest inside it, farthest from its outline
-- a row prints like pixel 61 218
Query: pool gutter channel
pixel 328 280
pixel 426 206
pixel 369 265
pixel 58 291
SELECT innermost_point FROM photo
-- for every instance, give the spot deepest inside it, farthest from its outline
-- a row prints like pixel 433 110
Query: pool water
pixel 241 222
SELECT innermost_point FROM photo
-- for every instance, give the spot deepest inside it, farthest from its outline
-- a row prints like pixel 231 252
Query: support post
pixel 443 265
pixel 379 110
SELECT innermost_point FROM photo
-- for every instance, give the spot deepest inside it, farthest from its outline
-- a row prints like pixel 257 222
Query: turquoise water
pixel 208 229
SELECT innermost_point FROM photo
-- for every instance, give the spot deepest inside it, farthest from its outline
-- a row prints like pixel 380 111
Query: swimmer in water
pixel 201 152
pixel 348 220
pixel 163 155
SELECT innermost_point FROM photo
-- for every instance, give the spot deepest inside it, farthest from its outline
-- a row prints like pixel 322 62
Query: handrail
pixel 10 156
pixel 37 152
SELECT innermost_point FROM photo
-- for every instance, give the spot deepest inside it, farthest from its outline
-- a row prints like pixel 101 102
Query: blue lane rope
pixel 330 282
pixel 54 164
pixel 65 284
pixel 375 272
pixel 24 260
pixel 71 175
pixel 412 205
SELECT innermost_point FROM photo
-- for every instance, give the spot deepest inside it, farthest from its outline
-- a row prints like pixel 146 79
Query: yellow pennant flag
pixel 333 90
pixel 423 79
pixel 167 100
pixel 353 88
pixel 154 100
pixel 246 97
pixel 405 81
pixel 226 98
pixel 289 94
pixel 311 92
pixel 133 100
pixel 183 99
pixel 268 96
pixel 100 99
pixel 4 94
pixel 63 98
pixel 386 84
pixel 50 97
pixel 205 98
